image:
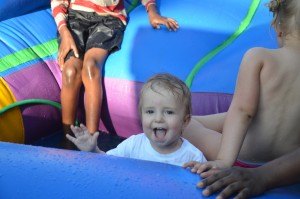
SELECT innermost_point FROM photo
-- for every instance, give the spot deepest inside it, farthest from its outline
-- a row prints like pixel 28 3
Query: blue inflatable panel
pixel 13 8
pixel 40 172
pixel 25 31
pixel 204 25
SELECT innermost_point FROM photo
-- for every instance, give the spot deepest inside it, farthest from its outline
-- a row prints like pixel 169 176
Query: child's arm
pixel 60 12
pixel 84 140
pixel 156 19
pixel 242 109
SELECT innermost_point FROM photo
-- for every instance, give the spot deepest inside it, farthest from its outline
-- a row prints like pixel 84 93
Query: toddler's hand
pixel 84 140
pixel 207 168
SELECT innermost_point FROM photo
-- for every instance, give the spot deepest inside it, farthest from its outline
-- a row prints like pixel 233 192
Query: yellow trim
pixel 11 122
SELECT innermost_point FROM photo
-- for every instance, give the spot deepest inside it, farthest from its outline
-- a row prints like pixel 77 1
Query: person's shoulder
pixel 128 146
pixel 257 52
pixel 135 137
pixel 138 139
pixel 257 56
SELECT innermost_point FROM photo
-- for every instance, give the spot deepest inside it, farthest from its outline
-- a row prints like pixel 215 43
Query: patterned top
pixel 102 7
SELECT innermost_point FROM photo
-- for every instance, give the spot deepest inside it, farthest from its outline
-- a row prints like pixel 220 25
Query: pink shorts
pixel 239 163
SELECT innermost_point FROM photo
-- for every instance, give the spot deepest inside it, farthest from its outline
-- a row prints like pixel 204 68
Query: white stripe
pixel 60 17
pixel 105 13
pixel 105 2
pixel 144 2
pixel 55 4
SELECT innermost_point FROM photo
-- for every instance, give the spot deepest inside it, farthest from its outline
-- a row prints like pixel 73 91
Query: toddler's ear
pixel 187 119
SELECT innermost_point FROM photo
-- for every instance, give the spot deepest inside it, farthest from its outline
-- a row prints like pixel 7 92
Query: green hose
pixel 33 101
pixel 241 29
pixel 133 5
pixel 30 101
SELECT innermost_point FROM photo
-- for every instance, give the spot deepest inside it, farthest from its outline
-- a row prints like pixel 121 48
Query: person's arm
pixel 60 12
pixel 250 182
pixel 156 19
pixel 242 109
pixel 84 140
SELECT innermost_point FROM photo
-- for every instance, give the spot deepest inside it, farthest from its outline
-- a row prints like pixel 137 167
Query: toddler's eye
pixel 149 111
pixel 169 112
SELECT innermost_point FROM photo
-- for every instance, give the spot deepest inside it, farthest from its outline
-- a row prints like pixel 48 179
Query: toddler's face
pixel 163 119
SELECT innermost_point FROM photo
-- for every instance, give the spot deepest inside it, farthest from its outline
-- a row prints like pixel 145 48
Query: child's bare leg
pixel 71 83
pixel 91 77
pixel 206 139
pixel 214 121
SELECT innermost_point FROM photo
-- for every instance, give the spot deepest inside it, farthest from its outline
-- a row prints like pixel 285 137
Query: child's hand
pixel 83 139
pixel 67 44
pixel 156 20
pixel 207 168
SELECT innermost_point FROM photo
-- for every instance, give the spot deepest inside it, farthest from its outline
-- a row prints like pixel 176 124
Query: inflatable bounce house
pixel 205 52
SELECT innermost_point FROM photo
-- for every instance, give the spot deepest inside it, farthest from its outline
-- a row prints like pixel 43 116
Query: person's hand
pixel 84 140
pixel 156 20
pixel 67 44
pixel 240 181
pixel 207 168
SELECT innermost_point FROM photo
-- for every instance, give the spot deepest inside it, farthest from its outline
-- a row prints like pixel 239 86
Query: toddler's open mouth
pixel 160 133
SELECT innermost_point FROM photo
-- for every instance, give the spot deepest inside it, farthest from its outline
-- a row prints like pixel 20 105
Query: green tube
pixel 133 5
pixel 243 26
pixel 30 101
pixel 33 101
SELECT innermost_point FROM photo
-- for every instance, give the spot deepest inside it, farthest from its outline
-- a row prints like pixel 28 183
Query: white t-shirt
pixel 139 147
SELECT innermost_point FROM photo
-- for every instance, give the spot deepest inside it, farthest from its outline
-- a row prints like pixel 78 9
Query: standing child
pixel 262 123
pixel 165 109
pixel 89 31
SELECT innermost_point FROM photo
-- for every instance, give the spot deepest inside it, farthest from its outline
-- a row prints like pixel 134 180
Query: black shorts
pixel 90 30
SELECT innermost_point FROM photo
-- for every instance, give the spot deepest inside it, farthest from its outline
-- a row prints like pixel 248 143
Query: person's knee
pixel 91 71
pixel 71 76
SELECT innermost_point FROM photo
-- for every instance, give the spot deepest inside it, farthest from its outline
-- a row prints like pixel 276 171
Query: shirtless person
pixel 263 121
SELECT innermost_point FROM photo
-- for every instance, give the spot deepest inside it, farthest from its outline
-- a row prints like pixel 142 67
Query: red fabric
pixel 244 165
pixel 60 7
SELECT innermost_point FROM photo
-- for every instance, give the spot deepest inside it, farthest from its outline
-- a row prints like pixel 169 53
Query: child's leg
pixel 71 83
pixel 91 78
pixel 204 133
pixel 214 121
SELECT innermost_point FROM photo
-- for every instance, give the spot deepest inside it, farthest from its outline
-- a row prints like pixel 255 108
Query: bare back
pixel 275 128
